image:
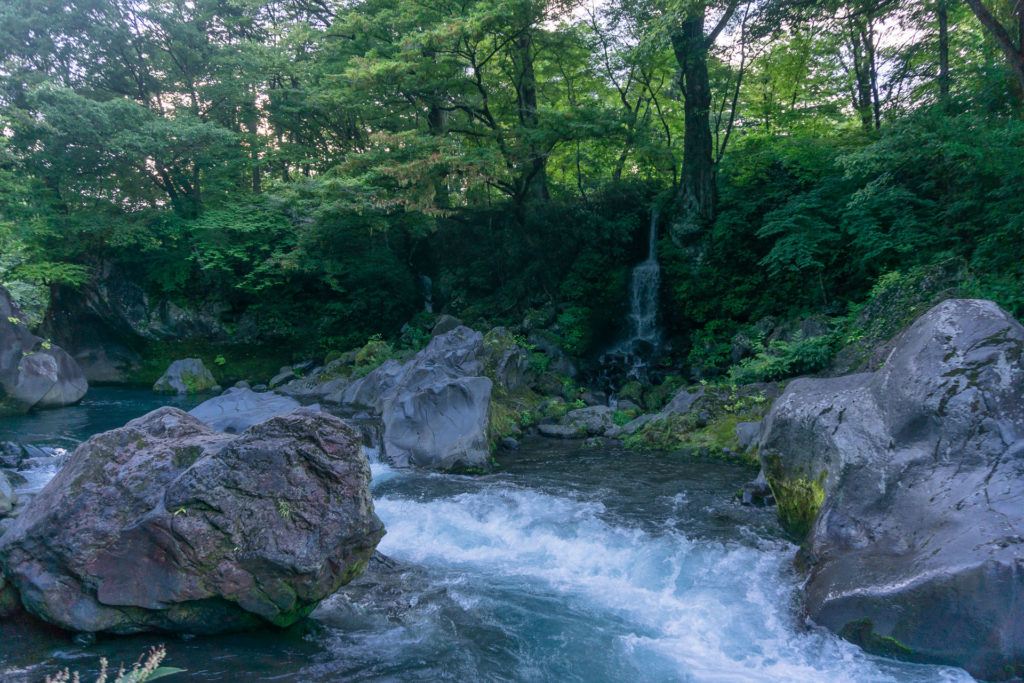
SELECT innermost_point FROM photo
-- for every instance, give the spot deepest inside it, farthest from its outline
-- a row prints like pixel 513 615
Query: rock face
pixel 165 524
pixel 33 372
pixel 435 408
pixel 187 376
pixel 239 408
pixel 105 322
pixel 918 470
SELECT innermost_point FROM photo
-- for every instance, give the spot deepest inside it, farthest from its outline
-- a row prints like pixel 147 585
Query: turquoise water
pixel 565 565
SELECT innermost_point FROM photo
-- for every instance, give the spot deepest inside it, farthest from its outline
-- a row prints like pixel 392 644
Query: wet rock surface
pixel 165 524
pixel 918 470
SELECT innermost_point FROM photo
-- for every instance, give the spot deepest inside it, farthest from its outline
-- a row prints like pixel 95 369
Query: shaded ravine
pixel 566 565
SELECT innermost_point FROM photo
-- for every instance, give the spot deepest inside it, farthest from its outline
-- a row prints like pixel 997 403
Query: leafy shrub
pixel 782 359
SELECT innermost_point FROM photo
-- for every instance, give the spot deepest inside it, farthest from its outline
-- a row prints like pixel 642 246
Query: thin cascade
pixel 643 337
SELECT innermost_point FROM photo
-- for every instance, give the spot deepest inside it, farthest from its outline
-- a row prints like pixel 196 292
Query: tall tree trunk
pixel 942 15
pixel 437 124
pixel 696 196
pixel 534 176
pixel 862 100
pixel 1014 53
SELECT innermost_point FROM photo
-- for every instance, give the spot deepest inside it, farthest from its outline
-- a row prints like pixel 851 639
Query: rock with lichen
pixel 907 486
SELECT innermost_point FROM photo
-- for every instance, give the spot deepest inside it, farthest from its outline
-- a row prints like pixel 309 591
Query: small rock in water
pixel 186 376
pixel 509 444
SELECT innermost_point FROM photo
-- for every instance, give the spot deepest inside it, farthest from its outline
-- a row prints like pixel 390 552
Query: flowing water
pixel 565 565
pixel 630 357
pixel 643 293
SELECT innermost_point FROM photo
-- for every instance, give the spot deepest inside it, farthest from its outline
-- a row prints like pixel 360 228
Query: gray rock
pixel 445 324
pixel 505 362
pixel 626 404
pixel 682 402
pixel 285 374
pixel 237 409
pixel 747 434
pixel 187 376
pixel 921 465
pixel 631 427
pixel 581 423
pixel 559 431
pixel 34 373
pixel 510 444
pixel 434 408
pixel 590 421
pixel 439 425
pixel 166 525
pixel 241 384
pixel 8 499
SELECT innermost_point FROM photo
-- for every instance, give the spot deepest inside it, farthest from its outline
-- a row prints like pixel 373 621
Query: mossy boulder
pixel 167 525
pixel 34 373
pixel 702 419
pixel 186 376
pixel 906 486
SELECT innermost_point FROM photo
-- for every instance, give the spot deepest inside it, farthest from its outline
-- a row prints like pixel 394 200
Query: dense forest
pixel 317 170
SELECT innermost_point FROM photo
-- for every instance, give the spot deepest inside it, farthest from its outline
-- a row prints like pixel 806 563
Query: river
pixel 566 564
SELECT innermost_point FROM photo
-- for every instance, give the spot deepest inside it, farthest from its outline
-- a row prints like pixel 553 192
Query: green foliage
pixel 781 359
pixel 371 356
pixel 300 169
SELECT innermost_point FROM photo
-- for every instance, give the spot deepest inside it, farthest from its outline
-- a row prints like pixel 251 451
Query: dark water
pixel 566 565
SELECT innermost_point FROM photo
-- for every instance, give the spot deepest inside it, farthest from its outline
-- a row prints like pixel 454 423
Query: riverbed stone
pixel 165 524
pixel 237 409
pixel 34 373
pixel 8 499
pixel 186 376
pixel 907 485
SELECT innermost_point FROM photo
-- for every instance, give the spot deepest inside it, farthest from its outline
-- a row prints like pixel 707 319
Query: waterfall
pixel 643 294
pixel 427 285
pixel 643 338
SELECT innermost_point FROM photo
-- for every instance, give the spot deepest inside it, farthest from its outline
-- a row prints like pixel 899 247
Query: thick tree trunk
pixel 1014 53
pixel 534 178
pixel 696 195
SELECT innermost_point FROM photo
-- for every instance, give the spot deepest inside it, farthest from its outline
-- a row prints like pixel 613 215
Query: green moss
pixel 709 428
pixel 185 457
pixel 862 633
pixel 798 499
pixel 632 391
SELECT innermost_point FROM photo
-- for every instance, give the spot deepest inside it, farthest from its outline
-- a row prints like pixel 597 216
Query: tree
pixel 1002 32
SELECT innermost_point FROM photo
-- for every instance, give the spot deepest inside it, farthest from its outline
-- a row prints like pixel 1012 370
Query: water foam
pixel 683 608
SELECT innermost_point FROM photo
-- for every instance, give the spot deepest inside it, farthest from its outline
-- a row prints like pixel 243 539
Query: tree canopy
pixel 316 160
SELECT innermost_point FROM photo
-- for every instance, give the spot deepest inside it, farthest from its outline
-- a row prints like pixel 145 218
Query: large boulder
pixel 435 407
pixel 239 408
pixel 441 425
pixel 33 372
pixel 165 524
pixel 909 483
pixel 186 376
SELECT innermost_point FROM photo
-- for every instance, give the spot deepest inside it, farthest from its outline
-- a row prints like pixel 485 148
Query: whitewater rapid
pixel 663 606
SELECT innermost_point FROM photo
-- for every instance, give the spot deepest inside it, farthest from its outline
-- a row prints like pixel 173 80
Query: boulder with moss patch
pixel 34 373
pixel 909 482
pixel 186 376
pixel 165 524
